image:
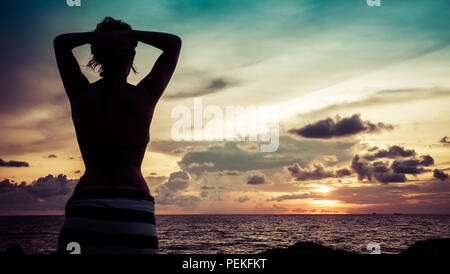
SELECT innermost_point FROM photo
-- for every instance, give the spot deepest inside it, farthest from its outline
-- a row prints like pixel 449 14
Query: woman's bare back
pixel 112 121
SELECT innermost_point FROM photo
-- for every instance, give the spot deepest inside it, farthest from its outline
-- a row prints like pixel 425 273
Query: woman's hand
pixel 117 40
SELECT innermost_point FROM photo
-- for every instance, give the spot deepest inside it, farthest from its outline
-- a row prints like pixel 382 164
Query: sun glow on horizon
pixel 325 202
pixel 323 189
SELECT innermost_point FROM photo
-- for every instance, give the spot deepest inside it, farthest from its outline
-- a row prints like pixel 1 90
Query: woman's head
pixel 113 58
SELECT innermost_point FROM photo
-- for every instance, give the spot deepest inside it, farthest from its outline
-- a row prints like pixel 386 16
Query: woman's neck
pixel 114 76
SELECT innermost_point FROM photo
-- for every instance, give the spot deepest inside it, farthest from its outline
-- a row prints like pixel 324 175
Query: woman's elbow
pixel 58 42
pixel 176 42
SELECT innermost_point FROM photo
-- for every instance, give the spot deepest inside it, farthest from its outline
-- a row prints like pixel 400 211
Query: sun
pixel 322 189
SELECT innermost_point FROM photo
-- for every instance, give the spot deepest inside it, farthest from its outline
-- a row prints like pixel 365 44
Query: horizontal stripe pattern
pixel 107 220
pixel 113 214
pixel 111 192
pixel 110 226
pixel 133 204
pixel 102 249
pixel 109 239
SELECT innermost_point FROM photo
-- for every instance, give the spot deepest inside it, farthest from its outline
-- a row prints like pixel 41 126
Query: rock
pixel 307 248
pixel 437 246
pixel 14 250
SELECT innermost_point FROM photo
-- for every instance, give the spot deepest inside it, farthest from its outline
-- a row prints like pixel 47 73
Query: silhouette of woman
pixel 111 209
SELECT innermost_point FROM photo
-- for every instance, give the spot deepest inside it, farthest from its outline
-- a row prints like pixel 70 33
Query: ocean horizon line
pixel 252 214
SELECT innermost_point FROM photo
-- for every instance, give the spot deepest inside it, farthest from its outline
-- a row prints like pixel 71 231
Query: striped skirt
pixel 109 220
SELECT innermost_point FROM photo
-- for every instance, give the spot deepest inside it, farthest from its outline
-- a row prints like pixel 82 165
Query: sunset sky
pixel 363 94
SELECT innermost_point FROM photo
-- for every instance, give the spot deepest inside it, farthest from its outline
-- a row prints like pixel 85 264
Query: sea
pixel 249 234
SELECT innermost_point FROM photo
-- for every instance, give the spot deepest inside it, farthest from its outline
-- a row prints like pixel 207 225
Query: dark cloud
pixel 207 187
pixel 340 127
pixel 256 180
pixel 171 192
pixel 440 175
pixel 230 173
pixel 445 140
pixel 242 199
pixel 152 179
pixel 379 170
pixel 384 177
pixel 177 181
pixel 343 172
pixel 13 163
pixel 392 152
pixel 427 160
pixel 412 166
pixel 292 197
pixel 46 193
pixel 215 85
pixel 317 172
pixel 396 171
pixel 362 169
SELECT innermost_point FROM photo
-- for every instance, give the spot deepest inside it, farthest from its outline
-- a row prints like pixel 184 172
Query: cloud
pixel 340 127
pixel 425 197
pixel 440 174
pixel 390 177
pixel 343 172
pixel 412 166
pixel 178 181
pixel 230 173
pixel 179 148
pixel 292 197
pixel 382 97
pixel 316 172
pixel 215 85
pixel 392 152
pixel 13 163
pixel 445 140
pixel 170 192
pixel 151 179
pixel 207 187
pixel 232 156
pixel 395 172
pixel 427 160
pixel 256 180
pixel 242 199
pixel 46 193
pixel 51 127
pixel 379 170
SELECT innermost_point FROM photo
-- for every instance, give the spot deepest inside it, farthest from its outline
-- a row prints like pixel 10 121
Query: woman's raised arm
pixel 158 78
pixel 69 69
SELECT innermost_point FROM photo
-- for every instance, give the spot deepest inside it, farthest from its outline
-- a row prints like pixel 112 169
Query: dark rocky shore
pixel 430 247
